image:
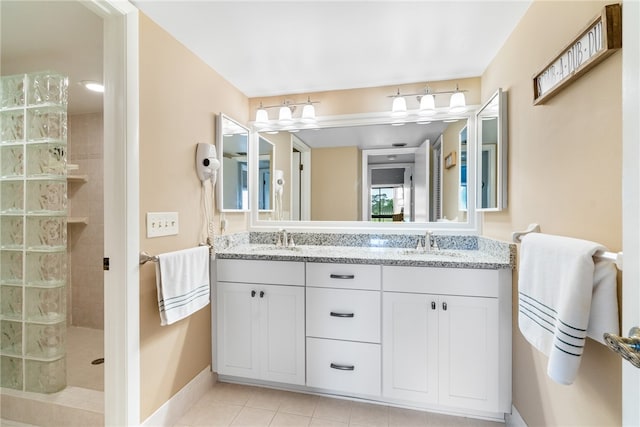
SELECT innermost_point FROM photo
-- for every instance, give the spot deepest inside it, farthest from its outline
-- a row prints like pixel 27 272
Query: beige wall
pixel 450 177
pixel 86 242
pixel 179 98
pixel 565 174
pixel 335 184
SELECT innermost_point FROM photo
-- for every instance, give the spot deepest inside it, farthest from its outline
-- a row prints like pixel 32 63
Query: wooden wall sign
pixel 600 38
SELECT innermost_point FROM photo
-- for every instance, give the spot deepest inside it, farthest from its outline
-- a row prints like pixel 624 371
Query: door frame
pixel 631 201
pixel 121 211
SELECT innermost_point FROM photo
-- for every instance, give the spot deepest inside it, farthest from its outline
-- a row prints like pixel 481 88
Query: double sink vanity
pixel 373 317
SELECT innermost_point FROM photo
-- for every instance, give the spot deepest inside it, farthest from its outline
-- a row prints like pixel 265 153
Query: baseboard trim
pixel 173 409
pixel 515 419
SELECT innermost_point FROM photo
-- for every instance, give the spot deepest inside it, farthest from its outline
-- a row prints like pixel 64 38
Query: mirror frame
pixel 272 168
pixel 471 227
pixel 501 153
pixel 220 180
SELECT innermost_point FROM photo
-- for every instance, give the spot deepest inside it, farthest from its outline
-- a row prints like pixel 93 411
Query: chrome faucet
pixel 282 238
pixel 430 242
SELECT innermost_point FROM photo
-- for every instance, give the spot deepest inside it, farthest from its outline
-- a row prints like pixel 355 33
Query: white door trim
pixel 121 212
pixel 630 201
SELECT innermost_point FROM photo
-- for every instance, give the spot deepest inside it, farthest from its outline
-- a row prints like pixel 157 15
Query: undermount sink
pixel 433 252
pixel 276 248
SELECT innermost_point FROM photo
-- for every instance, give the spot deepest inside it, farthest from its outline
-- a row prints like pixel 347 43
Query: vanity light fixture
pixel 262 118
pixel 457 103
pixel 399 107
pixel 285 121
pixel 427 104
pixel 308 112
pixel 427 101
pixel 284 117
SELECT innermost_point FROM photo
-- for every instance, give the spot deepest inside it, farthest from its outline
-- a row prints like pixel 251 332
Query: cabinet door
pixel 410 347
pixel 281 329
pixel 469 352
pixel 237 335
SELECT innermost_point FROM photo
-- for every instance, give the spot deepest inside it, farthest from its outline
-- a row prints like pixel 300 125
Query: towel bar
pixel 615 257
pixel 628 348
pixel 145 257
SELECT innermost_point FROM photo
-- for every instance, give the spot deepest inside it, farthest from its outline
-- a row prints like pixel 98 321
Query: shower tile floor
pixel 83 346
pixel 80 404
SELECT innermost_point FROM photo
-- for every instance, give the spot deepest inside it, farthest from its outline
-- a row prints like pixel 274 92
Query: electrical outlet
pixel 162 224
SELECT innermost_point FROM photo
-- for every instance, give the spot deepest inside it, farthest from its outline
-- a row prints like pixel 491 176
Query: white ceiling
pixel 282 47
pixel 269 48
pixel 62 36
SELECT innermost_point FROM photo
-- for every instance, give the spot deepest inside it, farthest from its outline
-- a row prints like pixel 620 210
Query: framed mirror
pixel 266 176
pixel 491 179
pixel 362 172
pixel 233 177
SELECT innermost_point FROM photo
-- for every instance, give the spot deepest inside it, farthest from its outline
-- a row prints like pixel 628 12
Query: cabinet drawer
pixel 343 314
pixel 451 281
pixel 343 366
pixel 345 276
pixel 254 271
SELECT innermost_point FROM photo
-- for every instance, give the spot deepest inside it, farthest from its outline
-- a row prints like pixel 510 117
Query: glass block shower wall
pixel 33 231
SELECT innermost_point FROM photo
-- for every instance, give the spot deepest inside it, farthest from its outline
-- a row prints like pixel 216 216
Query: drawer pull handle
pixel 342 276
pixel 334 314
pixel 342 367
pixel 253 294
pixel 444 306
pixel 261 294
pixel 433 305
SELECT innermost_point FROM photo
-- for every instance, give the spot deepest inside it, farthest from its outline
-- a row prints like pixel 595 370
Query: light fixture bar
pixel 444 92
pixel 289 104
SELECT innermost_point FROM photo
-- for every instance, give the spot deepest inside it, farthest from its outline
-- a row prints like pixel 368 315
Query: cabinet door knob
pixel 342 276
pixel 253 294
pixel 334 314
pixel 261 294
pixel 342 367
pixel 433 305
pixel 444 306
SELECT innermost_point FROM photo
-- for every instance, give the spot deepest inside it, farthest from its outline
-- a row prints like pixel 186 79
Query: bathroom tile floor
pixel 239 405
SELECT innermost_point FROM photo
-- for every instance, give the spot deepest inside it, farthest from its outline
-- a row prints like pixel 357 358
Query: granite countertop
pixel 486 255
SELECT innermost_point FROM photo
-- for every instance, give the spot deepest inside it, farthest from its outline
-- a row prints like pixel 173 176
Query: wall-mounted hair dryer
pixel 207 163
pixel 278 181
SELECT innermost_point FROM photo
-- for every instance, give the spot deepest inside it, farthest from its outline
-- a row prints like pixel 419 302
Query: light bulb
pixel 262 118
pixel 285 116
pixel 457 104
pixel 399 107
pixel 308 114
pixel 427 105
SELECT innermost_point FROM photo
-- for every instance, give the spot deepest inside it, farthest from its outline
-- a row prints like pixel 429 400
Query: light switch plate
pixel 162 224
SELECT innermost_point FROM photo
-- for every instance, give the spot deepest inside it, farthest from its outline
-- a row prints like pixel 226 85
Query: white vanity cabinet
pixel 260 313
pixel 447 338
pixel 343 328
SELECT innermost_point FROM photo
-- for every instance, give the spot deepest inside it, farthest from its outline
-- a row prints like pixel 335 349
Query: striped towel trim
pixel 566 338
pixel 182 300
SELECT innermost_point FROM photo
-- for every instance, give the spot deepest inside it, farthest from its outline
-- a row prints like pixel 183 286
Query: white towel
pixel 182 279
pixel 563 298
